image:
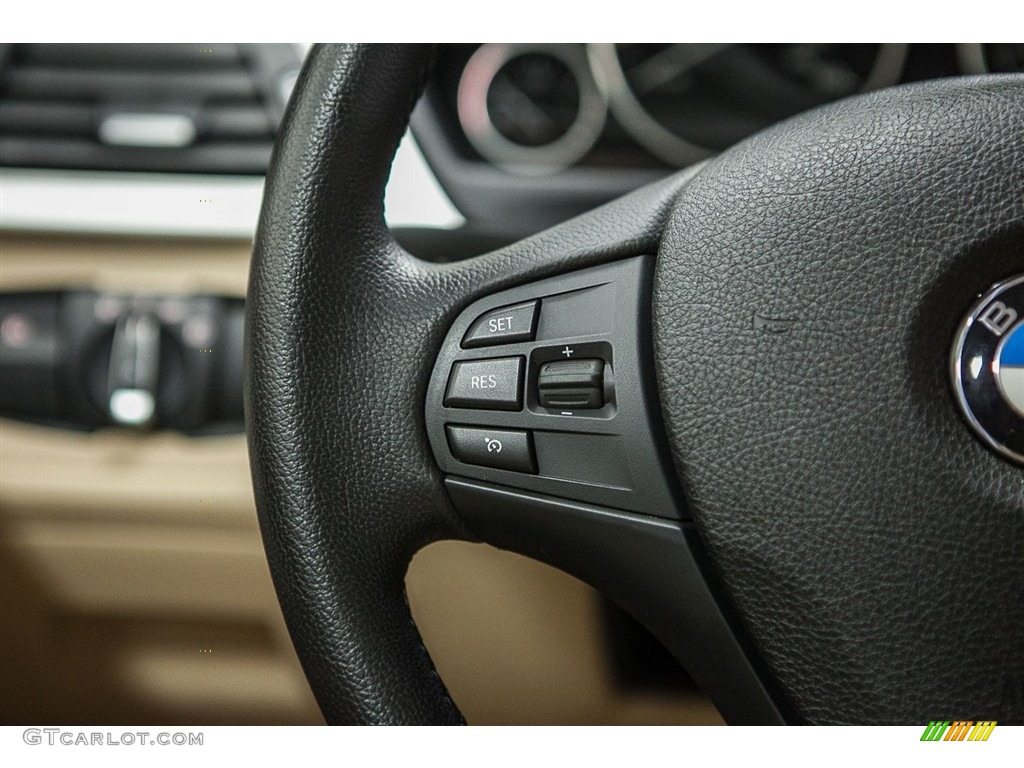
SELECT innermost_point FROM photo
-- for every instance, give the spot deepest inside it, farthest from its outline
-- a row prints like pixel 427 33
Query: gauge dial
pixel 684 102
pixel 530 108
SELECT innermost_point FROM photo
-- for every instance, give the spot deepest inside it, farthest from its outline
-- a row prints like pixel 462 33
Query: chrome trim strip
pixel 190 205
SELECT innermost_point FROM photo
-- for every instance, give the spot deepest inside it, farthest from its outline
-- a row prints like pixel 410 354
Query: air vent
pixel 202 108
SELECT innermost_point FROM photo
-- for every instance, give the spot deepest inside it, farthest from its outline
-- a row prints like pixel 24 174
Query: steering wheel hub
pixel 822 456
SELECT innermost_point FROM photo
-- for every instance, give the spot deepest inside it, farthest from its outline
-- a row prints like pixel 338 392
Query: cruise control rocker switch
pixel 510 449
pixel 577 384
pixel 495 385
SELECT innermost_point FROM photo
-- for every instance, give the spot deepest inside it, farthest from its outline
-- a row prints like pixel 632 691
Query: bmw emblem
pixel 988 368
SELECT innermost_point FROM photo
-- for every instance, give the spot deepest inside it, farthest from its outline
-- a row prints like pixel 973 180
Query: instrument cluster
pixel 537 109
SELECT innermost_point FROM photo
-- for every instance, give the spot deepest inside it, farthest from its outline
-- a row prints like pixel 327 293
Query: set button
pixel 503 326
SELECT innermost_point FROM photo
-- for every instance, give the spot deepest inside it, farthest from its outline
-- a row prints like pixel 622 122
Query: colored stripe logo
pixel 1011 368
pixel 958 730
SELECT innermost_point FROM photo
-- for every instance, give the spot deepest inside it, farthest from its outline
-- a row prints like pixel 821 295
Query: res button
pixel 503 326
pixel 495 385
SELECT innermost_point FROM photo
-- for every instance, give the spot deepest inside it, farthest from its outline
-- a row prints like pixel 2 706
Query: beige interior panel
pixel 519 642
pixel 158 265
pixel 133 586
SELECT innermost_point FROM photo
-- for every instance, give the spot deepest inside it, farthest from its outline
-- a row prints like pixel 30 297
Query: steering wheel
pixel 756 447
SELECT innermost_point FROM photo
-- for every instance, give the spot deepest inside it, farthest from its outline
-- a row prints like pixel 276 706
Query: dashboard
pixel 568 126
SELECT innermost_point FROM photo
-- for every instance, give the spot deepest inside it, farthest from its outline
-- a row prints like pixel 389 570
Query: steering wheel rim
pixel 344 329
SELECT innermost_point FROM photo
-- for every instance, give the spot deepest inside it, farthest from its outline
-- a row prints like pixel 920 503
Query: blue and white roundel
pixel 1011 368
pixel 988 368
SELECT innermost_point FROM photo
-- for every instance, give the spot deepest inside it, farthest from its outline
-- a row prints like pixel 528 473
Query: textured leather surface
pixel 343 328
pixel 873 546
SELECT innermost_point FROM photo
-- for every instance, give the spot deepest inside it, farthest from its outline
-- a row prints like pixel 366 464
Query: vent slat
pixel 136 86
pixel 211 157
pixel 132 55
pixel 29 117
pixel 242 122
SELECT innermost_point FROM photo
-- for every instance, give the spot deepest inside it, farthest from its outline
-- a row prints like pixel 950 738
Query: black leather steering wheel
pixel 840 547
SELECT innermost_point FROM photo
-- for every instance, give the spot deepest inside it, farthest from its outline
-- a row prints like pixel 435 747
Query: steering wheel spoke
pixel 344 328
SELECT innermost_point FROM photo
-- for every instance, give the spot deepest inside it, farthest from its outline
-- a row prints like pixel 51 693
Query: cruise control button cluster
pixel 510 449
pixel 495 384
pixel 542 388
pixel 503 326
